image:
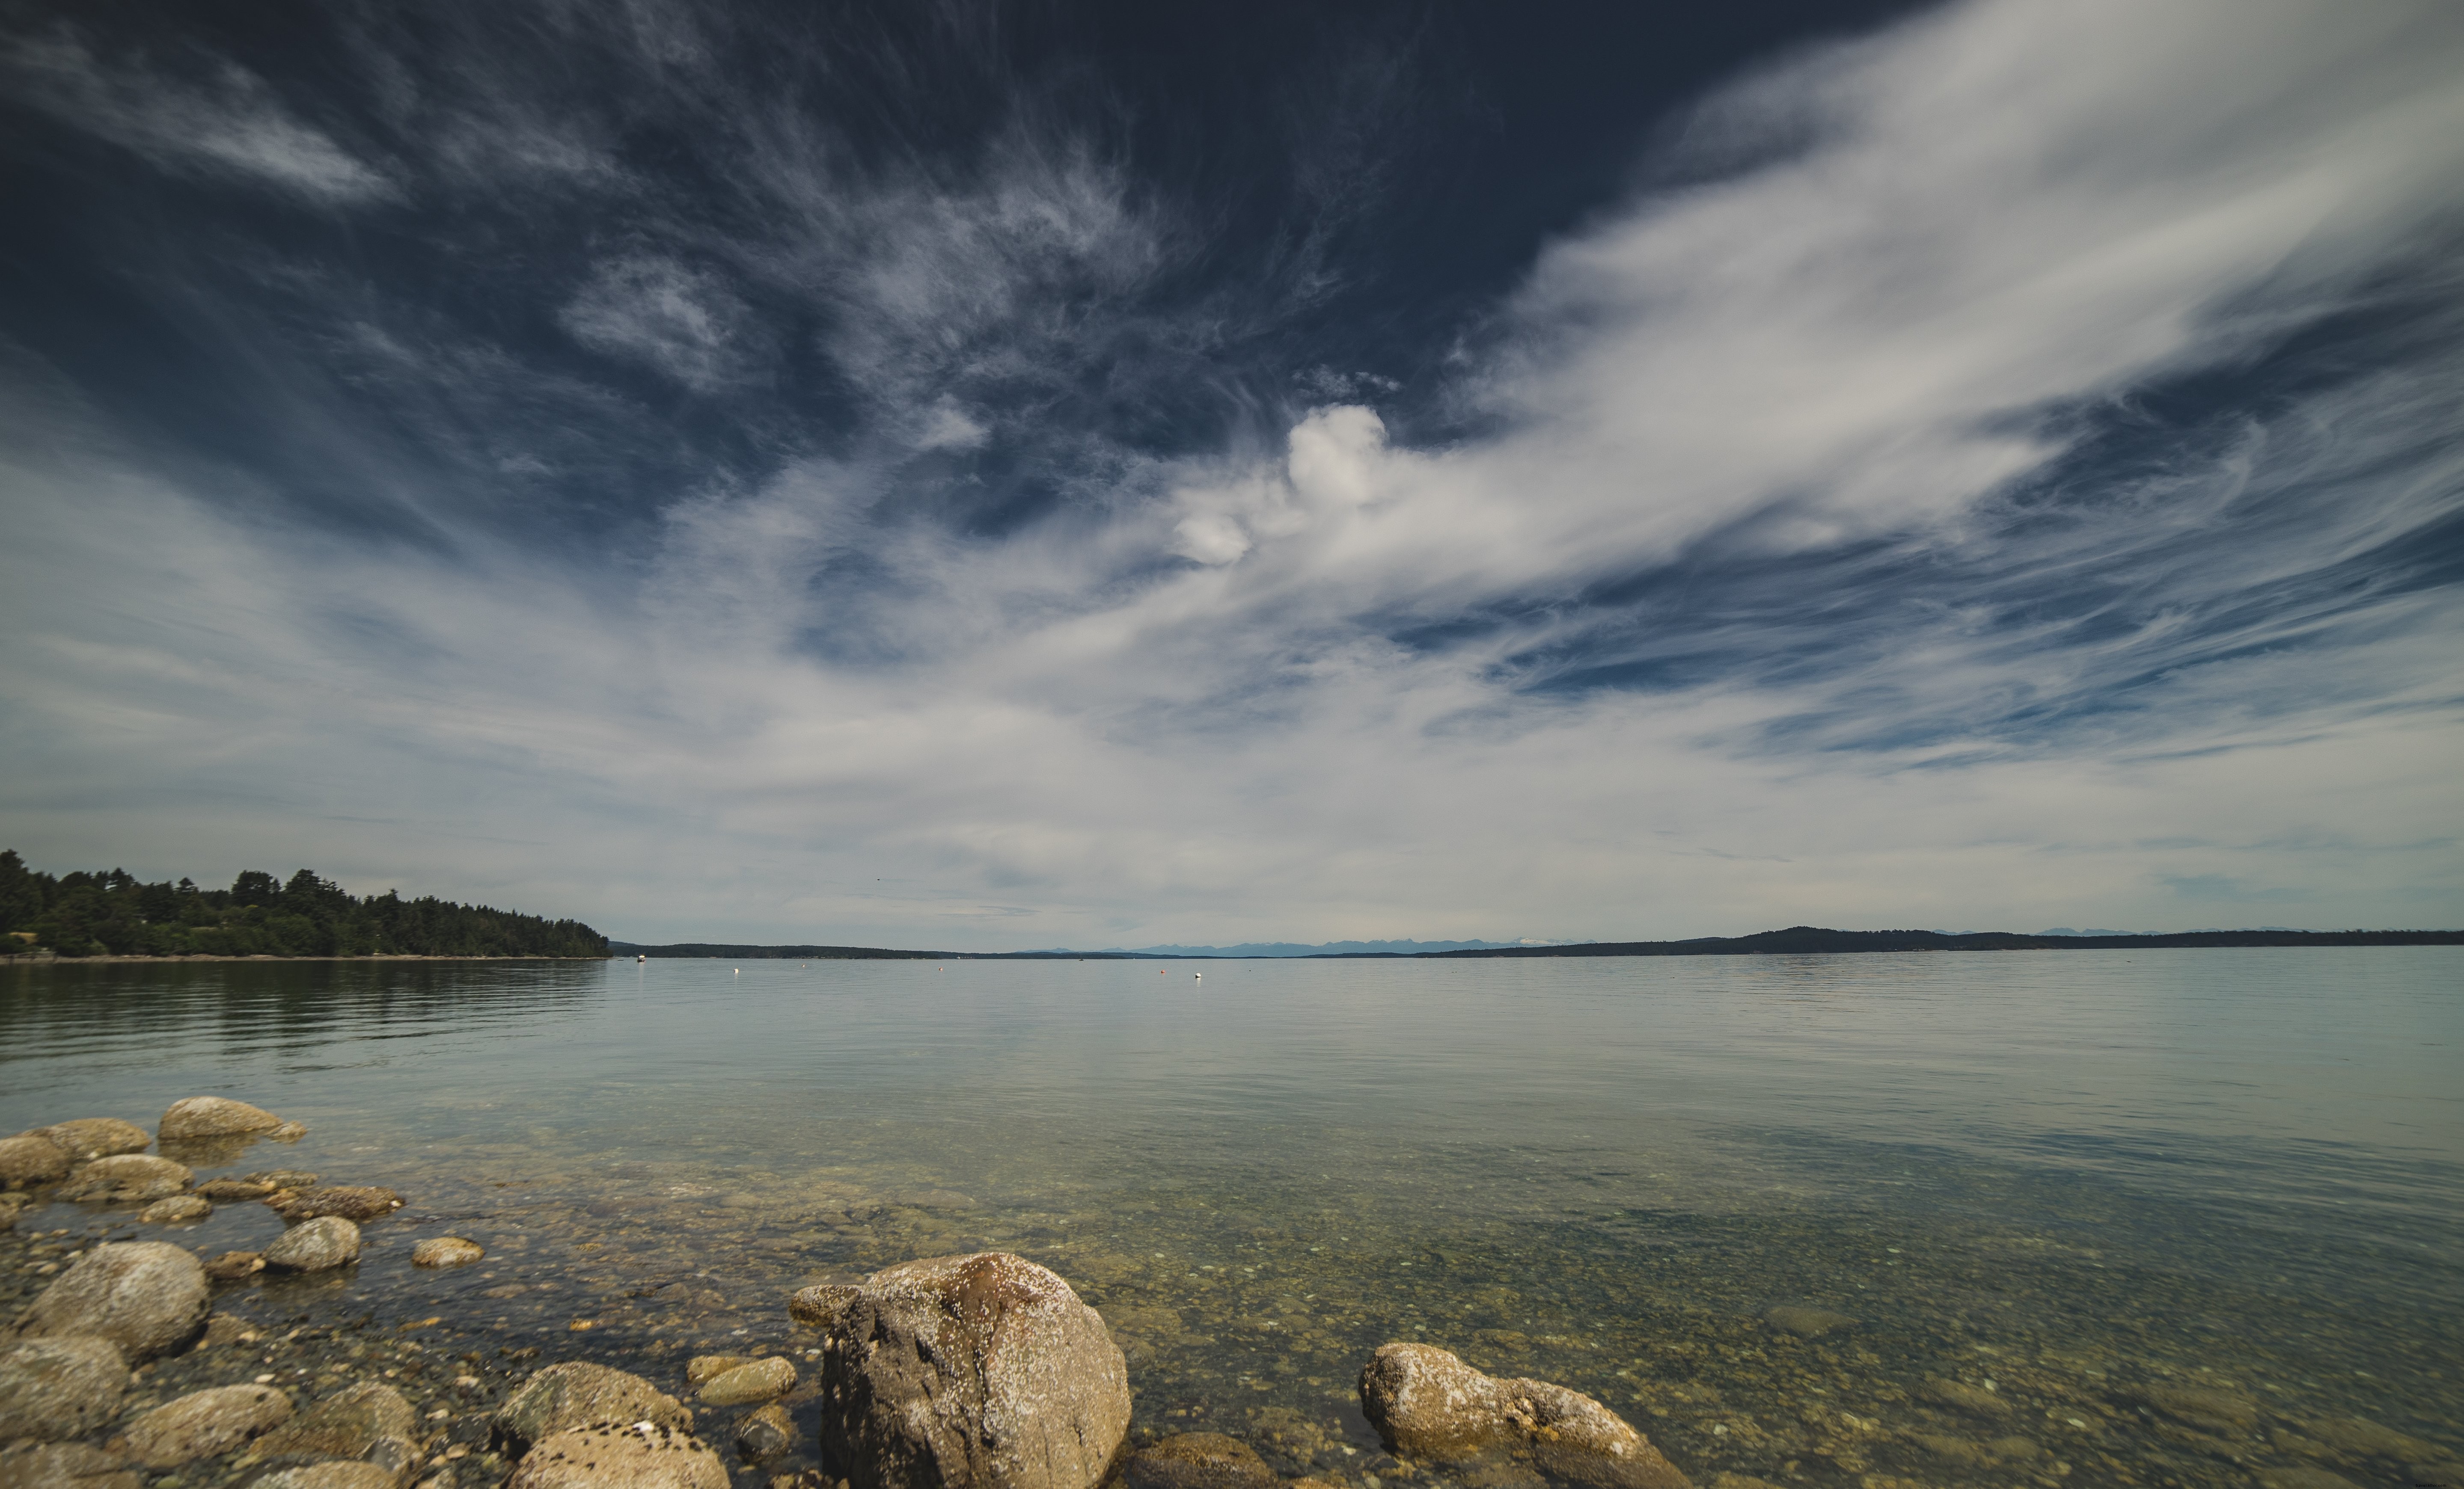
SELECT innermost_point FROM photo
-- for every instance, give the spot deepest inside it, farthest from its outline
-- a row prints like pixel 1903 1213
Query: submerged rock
pixel 331 1476
pixel 178 1210
pixel 2354 1434
pixel 88 1138
pixel 213 1116
pixel 52 1388
pixel 1426 1403
pixel 369 1422
pixel 984 1370
pixel 2203 1406
pixel 756 1380
pixel 1961 1396
pixel 234 1265
pixel 349 1201
pixel 30 1159
pixel 146 1297
pixel 128 1178
pixel 765 1434
pixel 317 1246
pixel 228 1190
pixel 1199 1461
pixel 577 1393
pixel 280 1178
pixel 64 1465
pixel 446 1251
pixel 11 1206
pixel 620 1456
pixel 1808 1323
pixel 205 1424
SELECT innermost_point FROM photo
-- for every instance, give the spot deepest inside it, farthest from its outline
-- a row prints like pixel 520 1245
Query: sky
pixel 997 475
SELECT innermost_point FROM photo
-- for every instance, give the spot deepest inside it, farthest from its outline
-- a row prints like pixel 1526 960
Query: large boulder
pixel 88 1138
pixel 147 1297
pixel 64 1465
pixel 1427 1404
pixel 128 1179
pixel 350 1202
pixel 52 1388
pixel 981 1371
pixel 30 1159
pixel 370 1423
pixel 213 1116
pixel 575 1394
pixel 205 1424
pixel 620 1456
pixel 318 1246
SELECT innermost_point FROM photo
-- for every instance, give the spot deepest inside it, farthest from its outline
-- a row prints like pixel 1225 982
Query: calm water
pixel 2085 1178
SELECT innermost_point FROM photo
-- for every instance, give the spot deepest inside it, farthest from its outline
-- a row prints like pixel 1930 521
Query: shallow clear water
pixel 2086 1177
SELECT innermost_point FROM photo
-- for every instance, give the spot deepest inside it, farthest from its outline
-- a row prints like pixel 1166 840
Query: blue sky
pixel 986 476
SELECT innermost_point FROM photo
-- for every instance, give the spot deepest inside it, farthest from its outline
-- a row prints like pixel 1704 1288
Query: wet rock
pixel 2370 1439
pixel 819 1305
pixel 226 1191
pixel 178 1210
pixel 330 1476
pixel 1808 1323
pixel 2302 1479
pixel 1426 1403
pixel 1961 1396
pixel 370 1422
pixel 213 1116
pixel 64 1465
pixel 131 1178
pixel 146 1297
pixel 984 1370
pixel 2204 1407
pixel 704 1368
pixel 577 1393
pixel 280 1178
pixel 205 1424
pixel 620 1456
pixel 1199 1461
pixel 232 1266
pixel 319 1245
pixel 760 1380
pixel 30 1159
pixel 88 1138
pixel 765 1434
pixel 288 1132
pixel 52 1388
pixel 222 1329
pixel 347 1201
pixel 446 1251
pixel 11 1206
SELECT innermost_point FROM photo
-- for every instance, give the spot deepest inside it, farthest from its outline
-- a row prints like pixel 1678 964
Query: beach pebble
pixel 765 1434
pixel 370 1422
pixel 146 1297
pixel 56 1387
pixel 127 1178
pixel 760 1380
pixel 232 1265
pixel 620 1456
pixel 577 1393
pixel 213 1116
pixel 178 1210
pixel 88 1138
pixel 228 1190
pixel 446 1251
pixel 1808 1323
pixel 30 1159
pixel 977 1370
pixel 348 1201
pixel 205 1424
pixel 319 1245
pixel 64 1465
pixel 1426 1403
pixel 1199 1461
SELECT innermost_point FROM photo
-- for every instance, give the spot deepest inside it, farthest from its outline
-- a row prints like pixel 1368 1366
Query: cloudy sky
pixel 1028 474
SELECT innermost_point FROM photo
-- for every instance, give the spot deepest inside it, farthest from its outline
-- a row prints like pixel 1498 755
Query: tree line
pixel 113 913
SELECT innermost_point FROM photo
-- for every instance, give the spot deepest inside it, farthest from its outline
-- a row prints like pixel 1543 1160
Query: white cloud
pixel 655 311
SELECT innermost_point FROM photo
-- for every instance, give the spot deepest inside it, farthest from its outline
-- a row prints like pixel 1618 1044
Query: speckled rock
pixel 620 1456
pixel 30 1159
pixel 765 1433
pixel 330 1476
pixel 1808 1323
pixel 1199 1461
pixel 984 1370
pixel 178 1210
pixel 349 1201
pixel 1426 1403
pixel 146 1297
pixel 368 1422
pixel 213 1116
pixel 319 1245
pixel 127 1179
pixel 67 1386
pixel 820 1306
pixel 64 1465
pixel 226 1191
pixel 758 1380
pixel 88 1138
pixel 576 1394
pixel 205 1424
pixel 446 1251
pixel 234 1265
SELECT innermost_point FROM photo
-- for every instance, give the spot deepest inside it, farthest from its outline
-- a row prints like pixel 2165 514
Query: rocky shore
pixel 138 1361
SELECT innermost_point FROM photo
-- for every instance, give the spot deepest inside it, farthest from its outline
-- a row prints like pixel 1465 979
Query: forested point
pixel 99 914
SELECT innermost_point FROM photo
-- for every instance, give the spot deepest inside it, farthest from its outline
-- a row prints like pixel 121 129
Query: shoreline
pixel 53 959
